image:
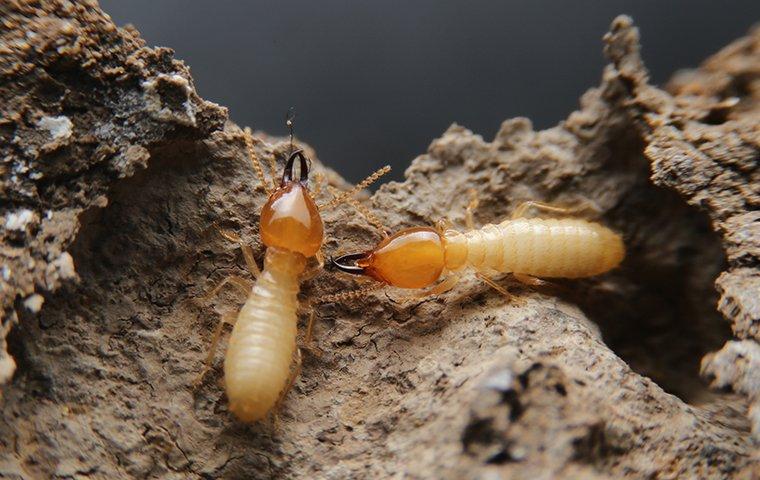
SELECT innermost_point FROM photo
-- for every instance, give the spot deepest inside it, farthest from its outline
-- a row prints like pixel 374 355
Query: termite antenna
pixel 357 188
pixel 351 294
pixel 362 209
pixel 289 117
pixel 248 137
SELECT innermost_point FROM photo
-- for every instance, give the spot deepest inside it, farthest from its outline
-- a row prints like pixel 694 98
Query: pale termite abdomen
pixel 261 347
pixel 568 248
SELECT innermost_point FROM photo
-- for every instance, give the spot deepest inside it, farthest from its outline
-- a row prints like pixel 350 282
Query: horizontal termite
pixel 527 248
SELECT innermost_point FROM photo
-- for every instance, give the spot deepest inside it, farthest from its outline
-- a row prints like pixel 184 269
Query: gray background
pixel 374 82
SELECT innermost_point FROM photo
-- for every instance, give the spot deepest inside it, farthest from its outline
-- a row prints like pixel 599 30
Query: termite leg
pixel 243 284
pixel 320 256
pixel 443 224
pixel 442 287
pixel 315 269
pixel 492 283
pixel 250 261
pixel 548 207
pixel 529 280
pixel 308 341
pixel 469 217
pixel 294 373
pixel 308 336
pixel 227 318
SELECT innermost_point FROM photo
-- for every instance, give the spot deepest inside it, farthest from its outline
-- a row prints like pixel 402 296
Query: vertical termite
pixel 258 366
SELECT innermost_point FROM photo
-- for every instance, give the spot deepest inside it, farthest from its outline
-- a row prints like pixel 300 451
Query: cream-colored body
pixel 568 248
pixel 261 347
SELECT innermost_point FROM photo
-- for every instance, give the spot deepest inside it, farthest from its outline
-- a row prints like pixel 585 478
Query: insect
pixel 262 347
pixel 527 248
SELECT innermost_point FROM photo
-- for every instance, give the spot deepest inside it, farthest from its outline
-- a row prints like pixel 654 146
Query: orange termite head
pixel 412 258
pixel 290 219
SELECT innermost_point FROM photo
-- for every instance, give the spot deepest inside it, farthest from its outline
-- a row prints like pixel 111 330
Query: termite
pixel 262 347
pixel 527 248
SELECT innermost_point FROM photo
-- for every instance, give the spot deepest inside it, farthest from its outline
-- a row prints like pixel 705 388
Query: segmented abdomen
pixel 257 364
pixel 569 248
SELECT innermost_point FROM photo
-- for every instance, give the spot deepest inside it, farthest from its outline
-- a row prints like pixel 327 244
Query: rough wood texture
pixel 114 172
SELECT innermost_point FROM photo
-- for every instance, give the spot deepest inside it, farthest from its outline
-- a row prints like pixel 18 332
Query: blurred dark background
pixel 374 82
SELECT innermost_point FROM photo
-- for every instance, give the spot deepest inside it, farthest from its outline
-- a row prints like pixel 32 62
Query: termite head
pixel 290 219
pixel 412 258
